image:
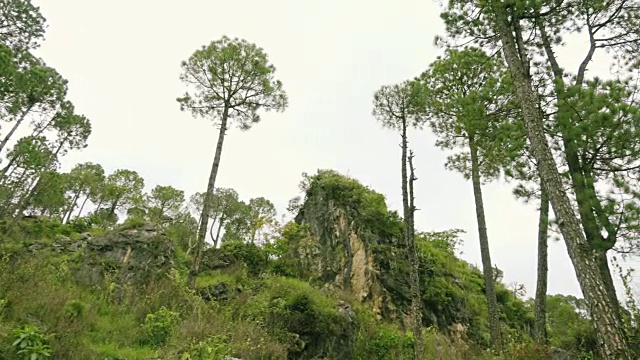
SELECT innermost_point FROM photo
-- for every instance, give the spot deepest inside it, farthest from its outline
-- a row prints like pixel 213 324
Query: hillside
pixel 330 286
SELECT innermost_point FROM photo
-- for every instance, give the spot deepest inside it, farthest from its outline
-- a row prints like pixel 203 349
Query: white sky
pixel 122 61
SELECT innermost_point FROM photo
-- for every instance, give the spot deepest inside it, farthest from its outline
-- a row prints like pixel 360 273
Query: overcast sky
pixel 122 60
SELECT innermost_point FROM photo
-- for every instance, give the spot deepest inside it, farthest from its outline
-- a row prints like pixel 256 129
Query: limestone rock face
pixel 339 251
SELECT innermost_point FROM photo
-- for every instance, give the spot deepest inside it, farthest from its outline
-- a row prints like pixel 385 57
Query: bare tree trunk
pixel 609 329
pixel 99 204
pixel 540 310
pixel 6 168
pixel 416 313
pixel 14 128
pixel 416 294
pixel 204 216
pixel 66 217
pixel 485 253
pixel 213 225
pixel 217 238
pixel 23 202
pixel 82 206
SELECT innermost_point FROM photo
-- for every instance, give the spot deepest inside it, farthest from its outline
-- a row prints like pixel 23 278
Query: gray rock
pixel 559 354
pixel 137 253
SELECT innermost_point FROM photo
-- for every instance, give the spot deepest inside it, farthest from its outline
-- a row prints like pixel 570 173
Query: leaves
pixel 466 94
pixel 233 78
pixel 21 24
pixel 393 104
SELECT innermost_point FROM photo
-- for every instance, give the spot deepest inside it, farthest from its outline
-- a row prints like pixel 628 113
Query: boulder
pixel 137 254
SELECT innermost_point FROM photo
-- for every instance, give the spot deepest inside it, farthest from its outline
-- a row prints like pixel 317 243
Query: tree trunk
pixel 71 207
pixel 213 225
pixel 98 206
pixel 540 310
pixel 24 200
pixel 217 238
pixel 416 294
pixel 204 216
pixel 6 168
pixel 14 128
pixel 416 314
pixel 580 172
pixel 114 206
pixel 609 329
pixel 82 206
pixel 485 254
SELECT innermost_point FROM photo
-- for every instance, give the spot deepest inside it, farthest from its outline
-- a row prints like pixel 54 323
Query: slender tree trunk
pixel 114 206
pixel 416 314
pixel 55 153
pixel 204 217
pixel 39 131
pixel 6 168
pixel 15 127
pixel 416 294
pixel 213 225
pixel 99 204
pixel 609 328
pixel 485 254
pixel 23 202
pixel 254 230
pixel 189 245
pixel 82 206
pixel 217 238
pixel 540 310
pixel 65 219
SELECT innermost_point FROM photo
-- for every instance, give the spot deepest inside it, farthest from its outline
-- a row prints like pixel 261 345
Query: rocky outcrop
pixel 137 254
pixel 132 255
pixel 340 247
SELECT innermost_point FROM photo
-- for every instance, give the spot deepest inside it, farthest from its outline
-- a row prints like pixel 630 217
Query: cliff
pixel 354 243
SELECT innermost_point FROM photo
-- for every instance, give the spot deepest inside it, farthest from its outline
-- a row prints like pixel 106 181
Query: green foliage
pixel 232 79
pixel 298 315
pixel 30 343
pixel 21 24
pixel 569 328
pixel 75 309
pixel 466 97
pixel 254 257
pixel 164 203
pixel 122 188
pixel 158 326
pixel 285 250
pixel 385 343
pixel 361 203
pixel 214 347
pixel 399 106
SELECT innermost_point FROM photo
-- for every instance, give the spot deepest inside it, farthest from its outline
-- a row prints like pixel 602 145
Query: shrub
pixel 159 325
pixel 30 343
pixel 385 343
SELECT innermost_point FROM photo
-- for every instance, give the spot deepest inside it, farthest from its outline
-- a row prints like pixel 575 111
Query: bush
pixel 385 343
pixel 214 347
pixel 30 343
pixel 159 325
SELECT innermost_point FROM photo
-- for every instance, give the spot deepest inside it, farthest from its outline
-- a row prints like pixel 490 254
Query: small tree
pixel 232 80
pixel 164 202
pixel 85 180
pixel 122 189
